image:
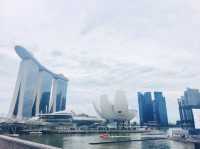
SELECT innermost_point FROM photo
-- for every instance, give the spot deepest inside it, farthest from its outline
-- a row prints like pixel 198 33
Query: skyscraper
pixel 190 100
pixel 34 88
pixel 152 110
pixel 61 91
pixel 145 107
pixel 25 89
pixel 160 109
pixel 43 91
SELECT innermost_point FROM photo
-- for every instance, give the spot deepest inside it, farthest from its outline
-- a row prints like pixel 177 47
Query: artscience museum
pixel 37 90
pixel 116 111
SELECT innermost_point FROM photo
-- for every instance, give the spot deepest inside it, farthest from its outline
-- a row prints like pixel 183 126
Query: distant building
pixel 192 97
pixel 37 90
pixel 60 117
pixel 69 119
pixel 86 120
pixel 190 100
pixel 152 112
pixel 145 107
pixel 160 109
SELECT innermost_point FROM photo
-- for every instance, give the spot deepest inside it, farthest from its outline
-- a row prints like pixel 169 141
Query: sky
pixel 103 46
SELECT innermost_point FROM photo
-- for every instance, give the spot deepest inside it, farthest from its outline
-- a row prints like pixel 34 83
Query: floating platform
pixel 125 141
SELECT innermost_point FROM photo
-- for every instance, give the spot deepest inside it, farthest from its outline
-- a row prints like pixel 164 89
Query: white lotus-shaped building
pixel 118 110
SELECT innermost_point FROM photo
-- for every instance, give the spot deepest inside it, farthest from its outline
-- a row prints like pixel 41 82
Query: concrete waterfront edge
pixel 7 142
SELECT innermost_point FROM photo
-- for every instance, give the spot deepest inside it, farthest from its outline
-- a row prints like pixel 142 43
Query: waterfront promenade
pixel 85 131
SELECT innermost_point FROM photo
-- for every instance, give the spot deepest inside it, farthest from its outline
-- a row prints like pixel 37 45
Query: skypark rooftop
pixel 24 54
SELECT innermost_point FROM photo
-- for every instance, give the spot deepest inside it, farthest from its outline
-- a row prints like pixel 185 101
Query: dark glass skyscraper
pixel 160 109
pixel 152 110
pixel 145 107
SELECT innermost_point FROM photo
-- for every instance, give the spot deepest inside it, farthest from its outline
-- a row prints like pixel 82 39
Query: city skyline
pixel 74 108
pixel 138 46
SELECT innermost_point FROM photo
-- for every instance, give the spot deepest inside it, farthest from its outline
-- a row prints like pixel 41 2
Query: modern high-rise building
pixel 44 86
pixel 190 100
pixel 61 91
pixel 185 111
pixel 58 94
pixel 152 111
pixel 145 107
pixel 160 109
pixel 35 88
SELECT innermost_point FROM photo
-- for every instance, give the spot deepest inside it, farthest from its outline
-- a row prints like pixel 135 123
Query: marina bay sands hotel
pixel 37 90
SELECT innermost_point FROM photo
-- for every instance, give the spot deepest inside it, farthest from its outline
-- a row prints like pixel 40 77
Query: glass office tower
pixel 160 109
pixel 141 107
pixel 145 107
pixel 152 111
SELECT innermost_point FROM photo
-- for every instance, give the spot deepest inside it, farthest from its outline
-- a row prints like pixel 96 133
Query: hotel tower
pixel 37 90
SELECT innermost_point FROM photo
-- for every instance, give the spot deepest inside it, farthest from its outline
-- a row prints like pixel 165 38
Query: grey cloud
pixel 56 53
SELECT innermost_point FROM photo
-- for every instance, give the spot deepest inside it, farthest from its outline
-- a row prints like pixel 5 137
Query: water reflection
pixel 82 142
pixel 174 145
pixel 155 144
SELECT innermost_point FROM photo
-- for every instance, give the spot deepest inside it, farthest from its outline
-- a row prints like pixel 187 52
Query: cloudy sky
pixel 104 45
